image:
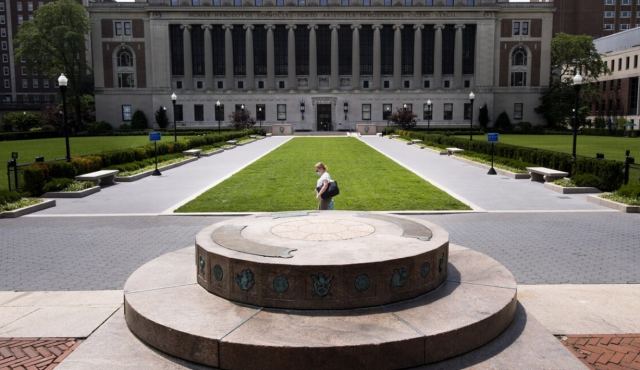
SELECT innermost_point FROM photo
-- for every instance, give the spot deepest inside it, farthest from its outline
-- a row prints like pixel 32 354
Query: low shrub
pixel 8 197
pixel 629 191
pixel 587 180
pixel 100 127
pixel 139 120
pixel 56 184
pixel 38 174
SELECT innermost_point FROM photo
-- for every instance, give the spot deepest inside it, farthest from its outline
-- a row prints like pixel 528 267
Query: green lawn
pixel 285 180
pixel 588 146
pixel 54 148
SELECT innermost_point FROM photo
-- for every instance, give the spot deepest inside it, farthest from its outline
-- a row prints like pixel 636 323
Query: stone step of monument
pixel 168 310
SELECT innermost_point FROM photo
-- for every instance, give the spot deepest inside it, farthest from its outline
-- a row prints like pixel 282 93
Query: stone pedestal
pixel 366 128
pixel 280 129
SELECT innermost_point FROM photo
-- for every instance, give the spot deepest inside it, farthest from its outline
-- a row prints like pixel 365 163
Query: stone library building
pixel 320 64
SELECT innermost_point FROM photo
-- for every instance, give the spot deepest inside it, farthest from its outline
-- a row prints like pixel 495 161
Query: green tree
pixel 404 118
pixel 161 117
pixel 53 42
pixel 139 120
pixel 241 119
pixel 503 123
pixel 483 117
pixel 21 121
pixel 571 53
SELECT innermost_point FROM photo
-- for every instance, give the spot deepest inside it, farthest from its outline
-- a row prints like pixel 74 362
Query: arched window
pixel 125 71
pixel 519 66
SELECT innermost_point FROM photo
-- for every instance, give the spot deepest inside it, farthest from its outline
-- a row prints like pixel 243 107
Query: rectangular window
pixel 175 2
pixel 219 112
pixel 609 2
pixel 3 32
pixel 45 83
pixel 3 19
pixel 366 112
pixel 524 28
pixel 7 84
pixel 386 111
pixel 126 79
pixel 261 112
pixel 279 2
pixel 625 14
pixel 179 116
pixel 237 2
pixel 515 29
pixel 5 71
pixel 344 2
pixel 613 65
pixel 2 7
pixel 5 58
pixel 30 6
pixel 517 111
pixel 119 28
pixel 619 64
pixel 635 61
pixel 4 45
pixel 282 112
pixel 195 2
pixel 427 112
pixel 467 111
pixel 408 2
pixel 628 62
pixel 387 2
pixel 609 14
pixel 428 2
pixel 25 83
pixel 35 83
pixel 258 3
pixel 198 112
pixel 608 26
pixel 301 2
pixel 518 78
pixel 19 6
pixel 408 106
pixel 23 71
pixel 624 26
pixel 127 28
pixel 626 2
pixel 366 2
pixel 20 19
pixel 126 112
pixel 448 112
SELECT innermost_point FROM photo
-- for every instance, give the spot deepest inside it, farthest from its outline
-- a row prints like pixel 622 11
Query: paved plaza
pixel 545 239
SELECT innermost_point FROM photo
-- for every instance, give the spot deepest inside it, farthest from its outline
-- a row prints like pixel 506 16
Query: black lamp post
pixel 260 116
pixel 472 97
pixel 302 109
pixel 218 105
pixel 62 82
pixel 577 84
pixel 429 112
pixel 345 108
pixel 174 97
pixel 388 113
pixel 404 107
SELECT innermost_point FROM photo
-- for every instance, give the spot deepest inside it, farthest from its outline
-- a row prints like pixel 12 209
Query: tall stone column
pixel 417 56
pixel 335 73
pixel 292 80
pixel 187 57
pixel 313 57
pixel 457 59
pixel 355 56
pixel 208 57
pixel 375 84
pixel 397 56
pixel 248 44
pixel 228 57
pixel 437 57
pixel 271 67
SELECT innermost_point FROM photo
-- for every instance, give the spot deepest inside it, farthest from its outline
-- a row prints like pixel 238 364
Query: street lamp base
pixel 492 171
pixel 156 172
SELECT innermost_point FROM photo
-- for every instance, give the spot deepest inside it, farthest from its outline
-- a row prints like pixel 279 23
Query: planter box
pixel 209 154
pixel 246 142
pixel 596 199
pixel 72 194
pixel 228 147
pixel 571 190
pixel 513 175
pixel 142 175
pixel 27 210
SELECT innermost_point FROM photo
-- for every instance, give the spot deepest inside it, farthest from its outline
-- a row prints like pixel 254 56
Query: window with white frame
pixel 35 83
pixel 25 83
pixel 125 68
pixel 126 112
pixel 625 14
pixel 20 19
pixel 626 2
pixel 122 28
pixel 282 112
pixel 7 84
pixel 3 32
pixel 427 112
pixel 19 6
pixel 3 19
pixel 5 58
pixel 23 71
pixel 5 70
pixel 30 6
pixel 45 83
pixel 366 112
pixel 519 66
pixel 1 6
pixel 520 28
pixel 447 114
pixel 608 26
pixel 517 110
pixel 609 14
pixel 624 26
pixel 609 2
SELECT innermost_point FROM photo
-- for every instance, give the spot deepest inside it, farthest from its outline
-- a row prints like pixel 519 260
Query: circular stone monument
pixel 320 290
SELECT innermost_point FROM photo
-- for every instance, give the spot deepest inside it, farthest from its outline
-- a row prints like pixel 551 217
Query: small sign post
pixel 492 137
pixel 155 137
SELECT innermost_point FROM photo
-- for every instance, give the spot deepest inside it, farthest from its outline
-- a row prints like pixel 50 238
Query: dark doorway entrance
pixel 324 117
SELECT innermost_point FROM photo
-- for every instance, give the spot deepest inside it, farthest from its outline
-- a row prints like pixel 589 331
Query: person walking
pixel 322 186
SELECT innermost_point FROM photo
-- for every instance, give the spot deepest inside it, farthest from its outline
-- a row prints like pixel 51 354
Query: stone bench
pixel 193 152
pixel 451 151
pixel 232 142
pixel 101 178
pixel 543 174
pixel 414 141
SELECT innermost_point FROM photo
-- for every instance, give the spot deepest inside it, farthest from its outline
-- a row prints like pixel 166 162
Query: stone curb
pixel 513 175
pixel 209 154
pixel 249 213
pixel 625 208
pixel 571 190
pixel 72 194
pixel 148 173
pixel 30 209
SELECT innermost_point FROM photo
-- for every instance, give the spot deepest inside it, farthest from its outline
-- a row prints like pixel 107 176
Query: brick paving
pixel 610 352
pixel 34 353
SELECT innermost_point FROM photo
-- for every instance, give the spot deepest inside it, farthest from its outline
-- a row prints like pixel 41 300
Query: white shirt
pixel 322 178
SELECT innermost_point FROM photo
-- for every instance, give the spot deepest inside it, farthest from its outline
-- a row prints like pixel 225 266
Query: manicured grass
pixel 285 180
pixel 54 148
pixel 588 146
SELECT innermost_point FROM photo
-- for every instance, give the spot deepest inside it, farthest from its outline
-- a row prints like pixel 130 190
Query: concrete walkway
pixel 472 185
pixel 153 195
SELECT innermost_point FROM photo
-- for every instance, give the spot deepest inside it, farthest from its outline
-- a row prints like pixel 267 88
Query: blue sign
pixel 492 137
pixel 154 136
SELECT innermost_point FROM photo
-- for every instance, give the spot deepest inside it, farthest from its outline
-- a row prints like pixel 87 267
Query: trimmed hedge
pixel 56 184
pixel 38 174
pixel 609 171
pixel 8 197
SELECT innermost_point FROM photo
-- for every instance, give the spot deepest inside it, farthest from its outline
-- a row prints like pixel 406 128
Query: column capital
pixel 291 26
pixel 334 26
pixel 206 27
pixel 356 26
pixel 398 26
pixel 227 26
pixel 438 27
pixel 376 26
pixel 269 26
pixel 418 26
pixel 459 26
pixel 185 27
pixel 249 27
pixel 312 26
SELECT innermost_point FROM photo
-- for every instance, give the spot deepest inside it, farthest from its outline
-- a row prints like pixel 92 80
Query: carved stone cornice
pixel 185 27
pixel 248 27
pixel 356 26
pixel 291 26
pixel 227 26
pixel 207 27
